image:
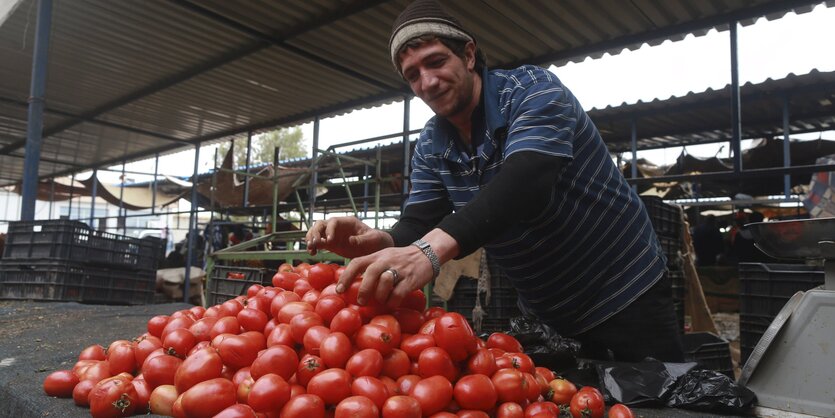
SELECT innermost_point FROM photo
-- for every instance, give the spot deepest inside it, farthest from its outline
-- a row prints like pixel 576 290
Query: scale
pixel 792 368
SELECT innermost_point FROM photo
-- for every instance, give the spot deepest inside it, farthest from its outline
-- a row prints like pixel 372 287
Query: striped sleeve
pixel 544 120
pixel 426 182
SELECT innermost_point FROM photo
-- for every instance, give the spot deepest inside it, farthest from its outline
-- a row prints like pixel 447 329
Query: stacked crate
pixel 666 220
pixel 62 260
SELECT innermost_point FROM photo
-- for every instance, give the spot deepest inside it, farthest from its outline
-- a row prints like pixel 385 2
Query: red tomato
pixel 243 389
pixel 96 372
pixel 241 375
pixel 435 361
pixel 179 342
pixel 356 407
pixel 313 338
pixel 259 302
pixel 346 321
pixel 546 373
pixel 475 391
pixel 433 394
pixel 327 307
pixel 300 323
pixel 237 411
pixel 143 394
pixel 201 366
pixel 253 290
pixel 157 324
pixel 302 287
pixel 285 267
pixel 510 410
pixel 208 398
pixel 281 299
pixel 252 319
pixel 285 280
pixel 470 413
pixel 291 309
pixel 396 364
pixel 320 276
pixel 281 335
pixel 482 362
pixel 309 366
pixel 377 337
pixel 231 307
pixel 505 342
pixel 335 349
pixel 61 383
pixel 162 400
pixel 332 385
pixel 532 387
pixel 121 359
pixel 536 409
pixel 160 370
pixel 144 346
pixel 241 350
pixel 95 352
pixel 372 388
pixel 202 328
pixel 391 324
pixel 113 397
pixel 410 320
pixel 401 407
pixel 413 345
pixel 511 386
pixel 225 325
pixel 519 361
pixel 620 411
pixel 269 393
pixel 81 392
pixel 561 391
pixel 587 403
pixel 367 362
pixel 406 383
pixel 279 359
pixel 304 406
pixel 433 312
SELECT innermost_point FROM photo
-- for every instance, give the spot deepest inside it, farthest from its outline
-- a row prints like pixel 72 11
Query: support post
pixel 154 185
pixel 634 142
pixel 736 116
pixel 404 191
pixel 192 225
pixel 123 213
pixel 93 198
pixel 787 149
pixel 34 128
pixel 314 176
pixel 246 167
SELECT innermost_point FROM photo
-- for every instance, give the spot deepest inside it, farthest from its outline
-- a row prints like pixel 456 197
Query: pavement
pixel 37 338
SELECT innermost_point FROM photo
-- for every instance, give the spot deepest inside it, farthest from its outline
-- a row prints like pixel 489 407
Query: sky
pixel 768 49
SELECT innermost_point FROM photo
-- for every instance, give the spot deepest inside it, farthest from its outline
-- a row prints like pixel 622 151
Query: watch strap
pixel 433 258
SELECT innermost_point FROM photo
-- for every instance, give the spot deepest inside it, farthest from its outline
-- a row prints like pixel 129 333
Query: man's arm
pixel 417 219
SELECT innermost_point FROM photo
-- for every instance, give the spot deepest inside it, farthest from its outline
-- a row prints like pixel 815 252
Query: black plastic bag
pixel 710 391
pixel 676 385
pixel 544 345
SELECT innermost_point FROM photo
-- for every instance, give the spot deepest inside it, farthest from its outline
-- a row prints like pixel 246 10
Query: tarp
pixel 132 198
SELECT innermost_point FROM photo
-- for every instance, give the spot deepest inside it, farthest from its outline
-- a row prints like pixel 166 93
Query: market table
pixel 37 338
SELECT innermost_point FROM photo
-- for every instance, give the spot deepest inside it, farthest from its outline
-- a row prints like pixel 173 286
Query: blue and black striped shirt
pixel 592 251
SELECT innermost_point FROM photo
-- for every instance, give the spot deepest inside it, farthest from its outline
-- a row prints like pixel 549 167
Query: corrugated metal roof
pixel 129 79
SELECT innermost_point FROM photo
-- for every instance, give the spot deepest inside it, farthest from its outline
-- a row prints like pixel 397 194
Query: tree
pixel 291 142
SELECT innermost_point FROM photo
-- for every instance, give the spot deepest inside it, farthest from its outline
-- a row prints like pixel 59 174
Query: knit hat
pixel 424 17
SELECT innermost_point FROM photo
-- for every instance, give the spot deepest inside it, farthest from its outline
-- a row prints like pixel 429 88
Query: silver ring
pixel 395 277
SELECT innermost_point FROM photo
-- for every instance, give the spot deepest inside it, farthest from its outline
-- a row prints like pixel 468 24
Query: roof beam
pixel 194 71
pixel 667 31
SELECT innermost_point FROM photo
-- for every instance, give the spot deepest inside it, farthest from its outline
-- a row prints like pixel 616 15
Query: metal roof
pixel 130 79
pixel 699 118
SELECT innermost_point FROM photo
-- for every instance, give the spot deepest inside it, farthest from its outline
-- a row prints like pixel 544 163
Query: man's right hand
pixel 347 236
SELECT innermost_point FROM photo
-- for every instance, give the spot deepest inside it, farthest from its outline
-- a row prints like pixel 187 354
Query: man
pixel 511 162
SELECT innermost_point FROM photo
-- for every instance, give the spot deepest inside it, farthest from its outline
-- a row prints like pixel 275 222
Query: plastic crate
pixel 75 241
pixel 229 282
pixel 69 281
pixel 665 218
pixel 671 248
pixel 763 291
pixel 677 280
pixel 710 351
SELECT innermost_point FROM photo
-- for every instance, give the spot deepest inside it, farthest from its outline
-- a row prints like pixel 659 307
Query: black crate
pixel 75 241
pixel 672 250
pixel 223 284
pixel 497 314
pixel 69 281
pixel 679 291
pixel 710 351
pixel 763 291
pixel 665 218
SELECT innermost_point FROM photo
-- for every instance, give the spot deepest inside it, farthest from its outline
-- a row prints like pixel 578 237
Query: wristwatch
pixel 433 258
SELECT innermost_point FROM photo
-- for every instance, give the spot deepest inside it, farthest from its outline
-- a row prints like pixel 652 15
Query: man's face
pixel 440 78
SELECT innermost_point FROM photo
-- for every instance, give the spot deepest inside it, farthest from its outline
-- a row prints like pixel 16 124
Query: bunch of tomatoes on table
pixel 298 349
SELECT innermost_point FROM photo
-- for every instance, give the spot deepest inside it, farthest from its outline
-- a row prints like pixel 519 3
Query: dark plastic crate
pixel 665 217
pixel 75 241
pixel 763 291
pixel 70 281
pixel 672 249
pixel 677 280
pixel 710 351
pixel 223 286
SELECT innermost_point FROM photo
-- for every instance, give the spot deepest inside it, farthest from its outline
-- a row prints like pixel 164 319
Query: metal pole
pixel 154 186
pixel 314 176
pixel 736 117
pixel 34 129
pixel 634 142
pixel 276 154
pixel 51 196
pixel 72 189
pixel 93 197
pixel 123 216
pixel 248 159
pixel 404 191
pixel 787 149
pixel 191 225
pixel 365 193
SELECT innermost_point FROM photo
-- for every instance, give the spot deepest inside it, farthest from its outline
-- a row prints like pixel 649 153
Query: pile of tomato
pixel 298 349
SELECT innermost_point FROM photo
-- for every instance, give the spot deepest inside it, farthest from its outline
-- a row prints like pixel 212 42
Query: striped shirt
pixel 592 251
